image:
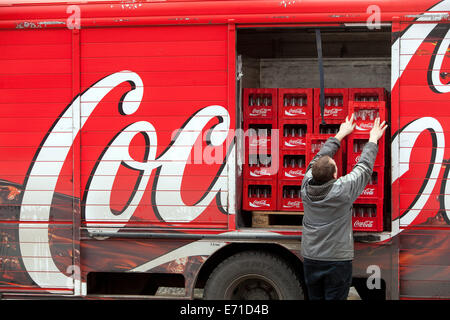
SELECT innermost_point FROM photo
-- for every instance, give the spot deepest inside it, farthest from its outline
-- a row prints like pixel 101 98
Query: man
pixel 327 237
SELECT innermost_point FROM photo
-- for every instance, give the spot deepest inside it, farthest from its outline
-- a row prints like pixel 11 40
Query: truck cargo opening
pixel 279 110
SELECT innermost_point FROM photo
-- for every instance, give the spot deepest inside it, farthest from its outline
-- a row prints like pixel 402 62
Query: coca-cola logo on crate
pixel 259 203
pixel 332 112
pixel 294 142
pixel 368 192
pixel 256 142
pixel 363 224
pixel 293 112
pixel 260 112
pixel 292 204
pixel 293 173
pixel 260 172
pixel 364 126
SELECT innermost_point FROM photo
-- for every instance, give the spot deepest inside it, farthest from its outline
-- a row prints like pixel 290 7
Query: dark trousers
pixel 327 280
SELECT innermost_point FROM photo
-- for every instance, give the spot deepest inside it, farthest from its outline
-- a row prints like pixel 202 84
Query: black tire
pixel 253 275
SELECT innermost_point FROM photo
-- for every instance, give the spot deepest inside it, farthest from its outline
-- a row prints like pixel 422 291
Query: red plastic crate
pixel 367 215
pixel 289 196
pixel 260 166
pixel 293 134
pixel 336 104
pixel 292 165
pixel 367 94
pixel 295 103
pixel 258 136
pixel 256 199
pixel 260 103
pixel 365 114
pixel 355 143
pixel 375 188
pixel 313 144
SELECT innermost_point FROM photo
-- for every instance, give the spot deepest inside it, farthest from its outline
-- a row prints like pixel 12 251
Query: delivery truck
pixel 155 144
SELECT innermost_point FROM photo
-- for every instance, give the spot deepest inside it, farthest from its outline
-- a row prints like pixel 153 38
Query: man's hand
pixel 346 128
pixel 377 131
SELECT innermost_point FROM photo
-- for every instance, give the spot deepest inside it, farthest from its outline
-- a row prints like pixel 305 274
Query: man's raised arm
pixel 358 178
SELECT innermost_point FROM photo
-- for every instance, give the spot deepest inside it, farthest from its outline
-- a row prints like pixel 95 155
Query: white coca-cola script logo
pixel 363 224
pixel 292 204
pixel 294 173
pixel 45 171
pixel 368 192
pixel 364 126
pixel 292 112
pixel 259 112
pixel 294 142
pixel 259 142
pixel 332 112
pixel 260 172
pixel 259 203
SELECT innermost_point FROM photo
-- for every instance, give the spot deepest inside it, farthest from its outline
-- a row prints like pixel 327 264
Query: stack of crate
pixel 295 121
pixel 367 104
pixel 275 165
pixel 260 176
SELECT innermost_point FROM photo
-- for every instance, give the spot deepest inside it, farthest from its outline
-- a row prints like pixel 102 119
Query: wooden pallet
pixel 276 219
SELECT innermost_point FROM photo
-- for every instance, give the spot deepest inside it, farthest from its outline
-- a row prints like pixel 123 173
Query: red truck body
pixel 118 145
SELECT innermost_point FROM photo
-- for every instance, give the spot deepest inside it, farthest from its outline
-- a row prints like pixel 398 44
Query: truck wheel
pixel 253 275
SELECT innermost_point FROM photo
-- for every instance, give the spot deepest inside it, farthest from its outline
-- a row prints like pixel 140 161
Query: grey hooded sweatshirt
pixel 327 233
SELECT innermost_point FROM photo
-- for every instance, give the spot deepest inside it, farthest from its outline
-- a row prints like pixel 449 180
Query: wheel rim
pixel 252 287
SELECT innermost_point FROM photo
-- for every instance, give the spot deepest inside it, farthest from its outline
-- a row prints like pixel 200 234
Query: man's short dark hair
pixel 323 170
